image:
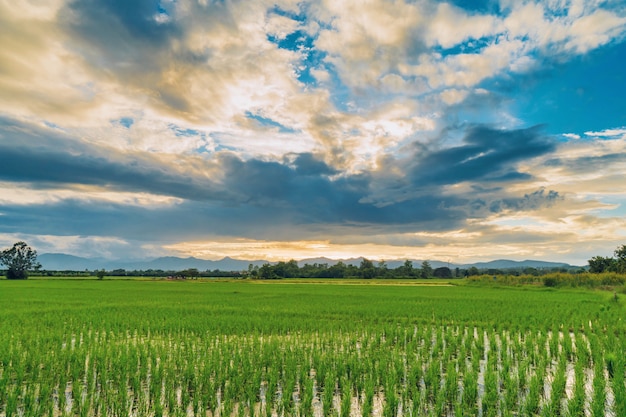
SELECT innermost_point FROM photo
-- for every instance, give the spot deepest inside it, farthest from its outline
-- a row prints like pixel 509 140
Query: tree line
pixel 20 259
pixel 367 269
pixel 617 263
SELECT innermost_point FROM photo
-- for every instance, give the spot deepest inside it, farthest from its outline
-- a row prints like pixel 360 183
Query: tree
pixel 192 273
pixel 427 270
pixel 620 259
pixel 100 274
pixel 253 271
pixel 529 270
pixel 286 269
pixel 442 272
pixel 599 264
pixel 19 260
pixel 366 269
pixel 266 272
pixel 337 271
pixel 473 271
pixel 382 270
pixel 407 268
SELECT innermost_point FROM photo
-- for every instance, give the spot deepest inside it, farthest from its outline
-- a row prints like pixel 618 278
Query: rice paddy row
pixel 243 349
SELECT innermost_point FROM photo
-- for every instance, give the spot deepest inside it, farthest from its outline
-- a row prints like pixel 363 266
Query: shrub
pixel 550 281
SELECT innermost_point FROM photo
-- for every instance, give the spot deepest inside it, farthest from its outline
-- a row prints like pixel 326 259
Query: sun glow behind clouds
pixel 25 196
pixel 282 251
pixel 466 247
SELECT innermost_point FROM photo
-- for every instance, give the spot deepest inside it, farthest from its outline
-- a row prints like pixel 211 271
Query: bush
pixel 550 281
pixel 16 274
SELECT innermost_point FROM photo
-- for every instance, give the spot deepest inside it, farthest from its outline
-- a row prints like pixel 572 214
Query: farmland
pixel 243 348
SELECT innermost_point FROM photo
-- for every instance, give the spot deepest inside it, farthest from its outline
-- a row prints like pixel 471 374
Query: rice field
pixel 234 348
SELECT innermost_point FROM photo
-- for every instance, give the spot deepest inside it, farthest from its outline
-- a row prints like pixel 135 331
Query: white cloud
pixel 375 48
pixel 453 96
pixel 594 30
pixel 571 135
pixel 450 26
pixel 581 30
pixel 25 196
pixel 280 26
pixel 607 132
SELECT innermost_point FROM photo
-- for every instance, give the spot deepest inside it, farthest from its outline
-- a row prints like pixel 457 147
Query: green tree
pixel 529 270
pixel 407 268
pixel 620 259
pixel 599 264
pixel 100 274
pixel 192 273
pixel 19 260
pixel 253 271
pixel 267 272
pixel 367 269
pixel 473 271
pixel 442 272
pixel 286 269
pixel 427 270
pixel 337 271
pixel 382 270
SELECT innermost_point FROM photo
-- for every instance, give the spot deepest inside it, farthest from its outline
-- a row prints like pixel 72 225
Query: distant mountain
pixel 507 264
pixel 172 263
pixel 64 262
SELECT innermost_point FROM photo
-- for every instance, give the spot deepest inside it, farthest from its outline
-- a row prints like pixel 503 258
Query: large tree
pixel 620 259
pixel 442 272
pixel 367 269
pixel 19 260
pixel 599 264
pixel 427 270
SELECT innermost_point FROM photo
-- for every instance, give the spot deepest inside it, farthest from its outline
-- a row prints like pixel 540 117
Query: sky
pixel 458 131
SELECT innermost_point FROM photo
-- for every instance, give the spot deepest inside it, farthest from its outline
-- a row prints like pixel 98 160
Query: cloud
pixel 272 120
pixel 204 66
pixel 450 26
pixel 571 135
pixel 295 196
pixel 487 155
pixel 32 154
pixel 607 133
pixel 86 246
pixel 595 29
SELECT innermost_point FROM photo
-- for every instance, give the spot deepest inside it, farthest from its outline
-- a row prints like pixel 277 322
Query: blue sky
pixel 460 131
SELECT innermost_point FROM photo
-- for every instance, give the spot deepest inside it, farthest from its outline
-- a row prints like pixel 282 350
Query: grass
pixel 155 347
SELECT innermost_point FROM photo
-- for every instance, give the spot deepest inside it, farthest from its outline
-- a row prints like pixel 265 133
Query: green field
pixel 245 348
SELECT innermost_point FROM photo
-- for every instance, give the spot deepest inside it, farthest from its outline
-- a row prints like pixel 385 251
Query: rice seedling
pixel 248 349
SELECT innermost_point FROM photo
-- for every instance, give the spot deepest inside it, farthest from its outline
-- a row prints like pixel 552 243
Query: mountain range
pixel 64 262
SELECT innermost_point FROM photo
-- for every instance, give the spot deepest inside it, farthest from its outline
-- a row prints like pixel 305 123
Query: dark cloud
pixel 486 155
pixel 302 193
pixel 195 220
pixel 307 164
pixel 44 157
pixel 257 198
pixel 533 201
pixel 587 163
pixel 104 21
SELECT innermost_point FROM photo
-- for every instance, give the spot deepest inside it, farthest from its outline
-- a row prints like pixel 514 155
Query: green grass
pixel 163 347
